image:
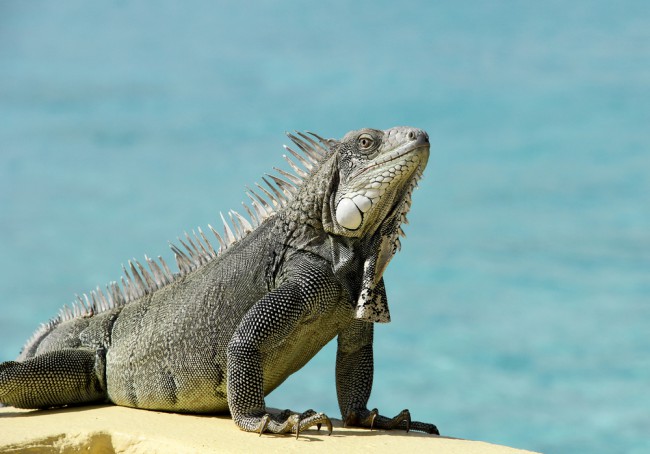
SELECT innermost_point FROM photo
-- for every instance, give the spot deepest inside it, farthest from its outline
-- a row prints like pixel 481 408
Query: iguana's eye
pixel 365 141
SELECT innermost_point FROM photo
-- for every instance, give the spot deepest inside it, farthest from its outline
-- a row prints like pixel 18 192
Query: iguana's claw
pixel 361 419
pixel 403 417
pixel 372 416
pixel 264 423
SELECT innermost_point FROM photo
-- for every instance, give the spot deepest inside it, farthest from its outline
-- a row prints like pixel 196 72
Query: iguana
pixel 233 323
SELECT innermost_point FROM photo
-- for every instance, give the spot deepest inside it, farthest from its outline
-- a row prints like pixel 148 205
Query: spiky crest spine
pixel 199 250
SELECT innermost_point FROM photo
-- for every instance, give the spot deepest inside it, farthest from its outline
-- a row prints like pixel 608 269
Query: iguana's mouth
pixel 392 156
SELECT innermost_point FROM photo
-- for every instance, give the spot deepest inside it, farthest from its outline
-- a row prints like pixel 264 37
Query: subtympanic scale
pixel 349 211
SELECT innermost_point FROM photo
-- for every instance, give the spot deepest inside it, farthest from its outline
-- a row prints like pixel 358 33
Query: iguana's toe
pixel 314 419
pixel 361 418
pixel 402 419
pixel 372 420
pixel 288 422
pixel 425 427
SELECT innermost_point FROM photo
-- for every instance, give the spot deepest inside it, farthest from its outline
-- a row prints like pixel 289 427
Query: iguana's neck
pixel 302 221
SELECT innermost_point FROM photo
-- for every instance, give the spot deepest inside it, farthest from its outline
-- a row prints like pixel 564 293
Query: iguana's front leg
pixel 269 325
pixel 354 372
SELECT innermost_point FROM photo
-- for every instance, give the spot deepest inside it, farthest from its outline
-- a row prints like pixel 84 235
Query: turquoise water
pixel 520 299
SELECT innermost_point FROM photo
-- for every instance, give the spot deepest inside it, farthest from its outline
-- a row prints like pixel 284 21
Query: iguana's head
pixel 374 173
pixel 377 170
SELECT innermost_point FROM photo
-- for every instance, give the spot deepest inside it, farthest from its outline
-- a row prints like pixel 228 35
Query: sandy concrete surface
pixel 112 429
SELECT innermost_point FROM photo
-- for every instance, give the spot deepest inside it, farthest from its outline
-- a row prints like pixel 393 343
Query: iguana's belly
pixel 168 352
pixel 165 379
pixel 188 373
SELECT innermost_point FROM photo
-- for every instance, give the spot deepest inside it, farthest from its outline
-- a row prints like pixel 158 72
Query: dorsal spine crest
pixel 137 281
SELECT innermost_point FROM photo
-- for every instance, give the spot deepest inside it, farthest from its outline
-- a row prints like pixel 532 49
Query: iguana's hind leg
pixel 53 379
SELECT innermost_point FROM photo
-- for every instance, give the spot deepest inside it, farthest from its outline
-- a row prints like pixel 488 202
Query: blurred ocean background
pixel 520 300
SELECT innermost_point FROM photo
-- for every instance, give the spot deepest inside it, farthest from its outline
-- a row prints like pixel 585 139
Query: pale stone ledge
pixel 112 429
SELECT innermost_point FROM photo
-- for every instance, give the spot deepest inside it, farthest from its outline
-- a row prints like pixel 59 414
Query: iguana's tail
pixel 53 379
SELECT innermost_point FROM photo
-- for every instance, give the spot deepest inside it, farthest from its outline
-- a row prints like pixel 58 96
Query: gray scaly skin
pixel 232 324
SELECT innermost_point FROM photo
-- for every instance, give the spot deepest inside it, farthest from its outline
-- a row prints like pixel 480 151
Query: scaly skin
pixel 232 326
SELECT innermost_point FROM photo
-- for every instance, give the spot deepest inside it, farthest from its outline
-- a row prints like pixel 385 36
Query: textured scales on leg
pixel 240 316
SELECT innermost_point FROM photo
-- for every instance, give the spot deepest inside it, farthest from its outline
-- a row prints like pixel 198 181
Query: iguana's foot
pixel 371 419
pixel 289 422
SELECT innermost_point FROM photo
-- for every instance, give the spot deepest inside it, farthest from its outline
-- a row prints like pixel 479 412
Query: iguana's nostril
pixel 419 135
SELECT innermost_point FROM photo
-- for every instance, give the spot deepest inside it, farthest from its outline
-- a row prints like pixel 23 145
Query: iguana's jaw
pixel 365 198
